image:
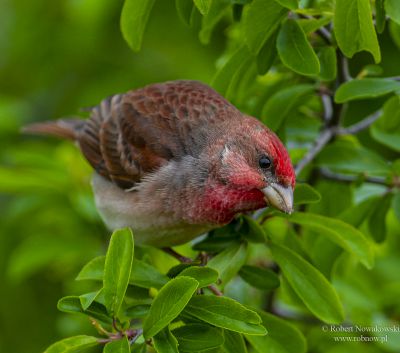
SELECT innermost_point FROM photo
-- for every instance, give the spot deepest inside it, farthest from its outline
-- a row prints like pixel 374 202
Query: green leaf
pixel 394 30
pixel 391 140
pixel 177 269
pixel 357 214
pixel 228 262
pixel 142 274
pixel 395 167
pixel 390 119
pixel 196 19
pixel 117 269
pixel 224 76
pixel 134 17
pixel 283 103
pixel 377 219
pixel 93 270
pixel 198 337
pixel 295 51
pixel 354 29
pixel 282 337
pixel 119 346
pixel 203 6
pixel 244 85
pixel 216 12
pixel 260 20
pixel 72 304
pixel 309 284
pixel 73 344
pixel 137 295
pixel 327 59
pixel 204 275
pixel 216 244
pixel 348 157
pixel 371 70
pixel 392 8
pixel 88 298
pixel 290 296
pixel 331 205
pixel 137 311
pixel 165 342
pixel 290 4
pixel 386 130
pixel 365 88
pixel 237 85
pixel 252 230
pixel 267 54
pixel 237 10
pixel 305 194
pixel 168 304
pixel 226 313
pixel 261 278
pixel 396 205
pixel 342 234
pixel 234 342
pixel 311 25
pixel 146 276
pixel 141 348
pixel 184 9
pixel 380 15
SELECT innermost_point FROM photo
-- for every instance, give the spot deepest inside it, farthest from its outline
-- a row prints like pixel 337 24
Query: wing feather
pixel 130 135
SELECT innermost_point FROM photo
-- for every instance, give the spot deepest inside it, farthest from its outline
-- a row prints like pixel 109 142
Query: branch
pixel 326 173
pixel 334 112
pixel 215 290
pixel 361 125
pixel 325 35
pixel 322 31
pixel 327 104
pixel 179 257
pixel 395 78
pixel 324 137
pixel 331 131
pixel 136 334
pixel 343 68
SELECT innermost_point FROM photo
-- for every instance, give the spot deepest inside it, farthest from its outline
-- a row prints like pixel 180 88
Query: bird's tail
pixel 64 128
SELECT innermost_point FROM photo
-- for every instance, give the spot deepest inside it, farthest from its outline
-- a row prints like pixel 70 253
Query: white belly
pixel 150 224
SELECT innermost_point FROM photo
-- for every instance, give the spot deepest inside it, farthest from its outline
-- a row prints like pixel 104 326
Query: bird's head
pixel 255 161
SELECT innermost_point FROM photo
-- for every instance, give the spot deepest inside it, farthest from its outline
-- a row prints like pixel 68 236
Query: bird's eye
pixel 265 162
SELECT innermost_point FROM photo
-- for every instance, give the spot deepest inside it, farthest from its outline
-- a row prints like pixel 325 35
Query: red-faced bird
pixel 175 160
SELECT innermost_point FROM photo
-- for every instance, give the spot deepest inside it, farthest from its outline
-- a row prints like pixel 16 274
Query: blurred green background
pixel 59 56
pixel 56 57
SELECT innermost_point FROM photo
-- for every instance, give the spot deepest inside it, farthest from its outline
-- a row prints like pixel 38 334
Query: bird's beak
pixel 279 197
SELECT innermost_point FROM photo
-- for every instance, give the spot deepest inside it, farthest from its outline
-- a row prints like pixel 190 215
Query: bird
pixel 175 160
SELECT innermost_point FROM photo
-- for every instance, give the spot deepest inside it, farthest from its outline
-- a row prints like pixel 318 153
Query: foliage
pixel 323 74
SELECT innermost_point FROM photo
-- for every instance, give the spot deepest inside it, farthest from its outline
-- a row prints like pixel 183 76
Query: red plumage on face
pixel 240 174
pixel 251 140
pixel 283 165
pixel 219 203
pixel 237 181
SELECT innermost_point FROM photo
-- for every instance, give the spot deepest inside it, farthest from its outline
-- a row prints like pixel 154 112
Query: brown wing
pixel 130 135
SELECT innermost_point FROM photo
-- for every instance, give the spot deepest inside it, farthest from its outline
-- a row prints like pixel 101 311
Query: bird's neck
pixel 220 203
